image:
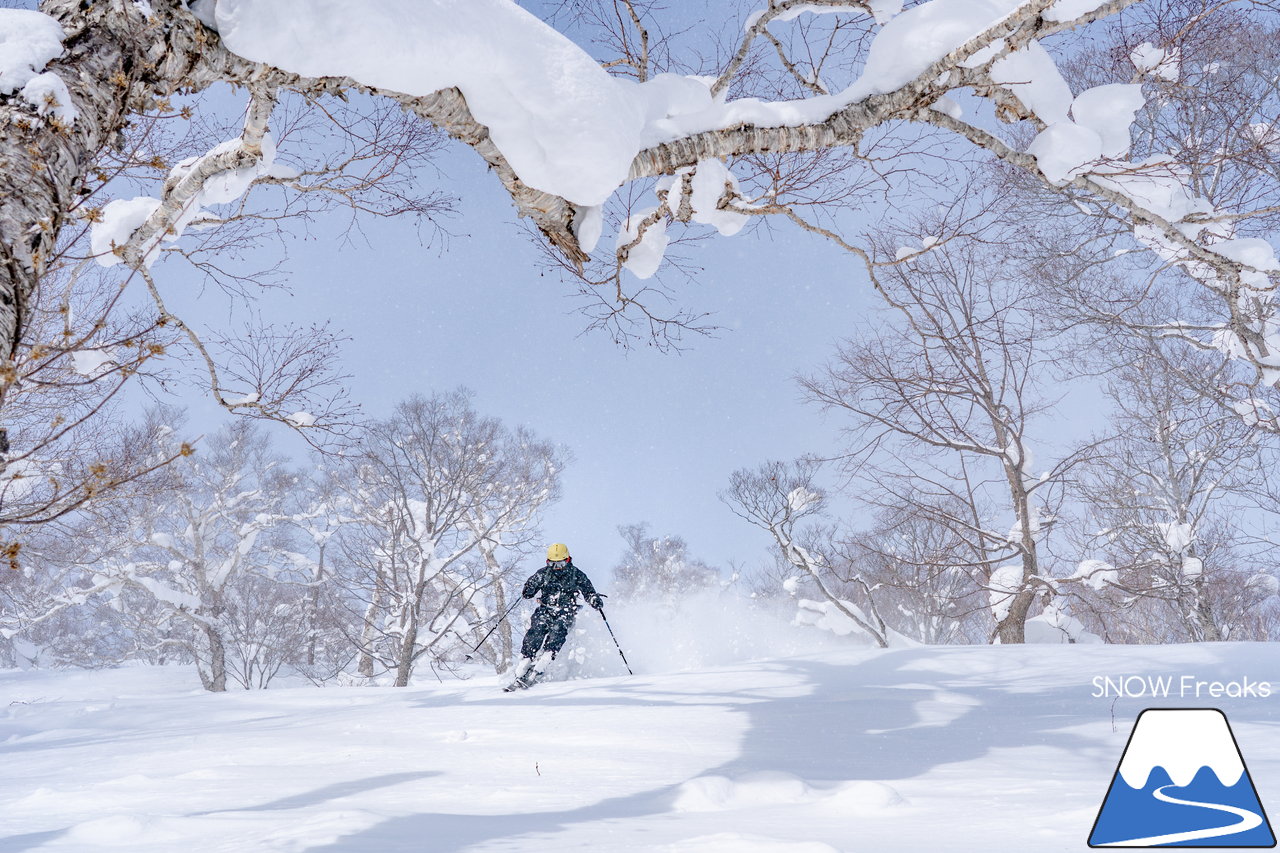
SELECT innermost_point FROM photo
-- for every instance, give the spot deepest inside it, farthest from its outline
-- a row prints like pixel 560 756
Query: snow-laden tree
pixel 51 611
pixel 194 563
pixel 46 616
pixel 941 401
pixel 815 107
pixel 325 507
pixel 64 442
pixel 209 572
pixel 1180 507
pixel 783 499
pixel 435 493
pixel 659 566
pixel 501 553
pixel 921 571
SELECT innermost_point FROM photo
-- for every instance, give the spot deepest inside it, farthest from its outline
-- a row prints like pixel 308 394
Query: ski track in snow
pixel 919 749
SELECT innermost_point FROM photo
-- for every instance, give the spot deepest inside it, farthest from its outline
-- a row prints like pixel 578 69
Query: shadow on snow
pixel 861 722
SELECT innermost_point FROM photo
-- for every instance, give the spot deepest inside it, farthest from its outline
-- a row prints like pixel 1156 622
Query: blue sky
pixel 654 435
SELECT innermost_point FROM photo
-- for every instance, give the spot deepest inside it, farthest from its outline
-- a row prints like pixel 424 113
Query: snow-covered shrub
pixel 659 565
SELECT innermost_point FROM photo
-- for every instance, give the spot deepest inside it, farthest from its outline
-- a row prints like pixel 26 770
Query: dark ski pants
pixel 547 631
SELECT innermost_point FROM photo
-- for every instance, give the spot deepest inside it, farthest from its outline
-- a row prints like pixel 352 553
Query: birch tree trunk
pixel 503 633
pixel 408 643
pixel 369 628
pixel 116 61
pixel 1199 615
pixel 1013 628
pixel 506 647
pixel 213 673
pixel 313 608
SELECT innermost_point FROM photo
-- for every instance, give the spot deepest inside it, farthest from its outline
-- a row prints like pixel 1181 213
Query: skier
pixel 557 585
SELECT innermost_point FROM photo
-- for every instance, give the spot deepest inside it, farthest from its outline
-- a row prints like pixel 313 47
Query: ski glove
pixel 596 601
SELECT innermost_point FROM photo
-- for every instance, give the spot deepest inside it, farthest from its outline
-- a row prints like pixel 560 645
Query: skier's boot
pixel 523 671
pixel 530 672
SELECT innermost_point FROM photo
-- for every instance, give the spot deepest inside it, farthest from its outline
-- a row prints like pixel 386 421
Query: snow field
pixel 217 771
pixel 928 748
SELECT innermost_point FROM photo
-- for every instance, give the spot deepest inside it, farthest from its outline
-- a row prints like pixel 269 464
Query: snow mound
pixel 1057 626
pixel 1095 573
pixel 826 616
pixel 862 797
pixel 1109 111
pixel 647 249
pixel 1032 75
pixel 1149 59
pixel 763 789
pixel 751 790
pixel 739 842
pixel 1005 583
pixel 799 499
pixel 1065 149
pixel 913 40
pixel 120 831
pixel 1177 535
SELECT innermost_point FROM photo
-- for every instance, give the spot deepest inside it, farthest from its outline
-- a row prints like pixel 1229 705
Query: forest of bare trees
pixel 1050 200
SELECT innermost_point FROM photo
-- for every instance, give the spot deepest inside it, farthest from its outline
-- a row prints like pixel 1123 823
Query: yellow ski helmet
pixel 558 551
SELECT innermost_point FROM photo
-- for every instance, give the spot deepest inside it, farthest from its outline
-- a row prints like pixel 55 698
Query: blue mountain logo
pixel 1182 782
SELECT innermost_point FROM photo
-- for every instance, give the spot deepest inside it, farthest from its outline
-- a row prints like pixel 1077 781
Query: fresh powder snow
pixel 1064 150
pixel 958 749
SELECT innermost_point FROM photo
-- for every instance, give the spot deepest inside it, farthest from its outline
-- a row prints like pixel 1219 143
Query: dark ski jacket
pixel 558 589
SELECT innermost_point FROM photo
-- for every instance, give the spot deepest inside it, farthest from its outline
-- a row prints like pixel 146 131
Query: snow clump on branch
pixel 121 218
pixel 562 122
pixel 28 42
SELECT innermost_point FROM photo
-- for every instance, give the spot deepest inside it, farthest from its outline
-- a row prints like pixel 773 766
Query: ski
pixel 524 682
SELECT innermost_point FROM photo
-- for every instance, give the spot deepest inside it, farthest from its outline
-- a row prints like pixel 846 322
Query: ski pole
pixel 495 627
pixel 615 641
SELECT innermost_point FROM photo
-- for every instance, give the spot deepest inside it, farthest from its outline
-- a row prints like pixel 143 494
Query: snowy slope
pixel 956 749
